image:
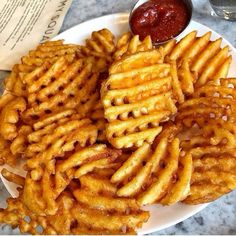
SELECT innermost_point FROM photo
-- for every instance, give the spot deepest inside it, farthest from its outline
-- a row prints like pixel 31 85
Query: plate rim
pixel 62 35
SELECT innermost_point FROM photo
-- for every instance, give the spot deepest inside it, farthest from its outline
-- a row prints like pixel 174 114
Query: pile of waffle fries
pixel 107 127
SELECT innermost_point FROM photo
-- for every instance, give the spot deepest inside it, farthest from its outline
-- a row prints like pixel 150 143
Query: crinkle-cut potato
pixel 199 59
pixel 128 44
pixel 62 86
pixel 107 127
pixel 137 97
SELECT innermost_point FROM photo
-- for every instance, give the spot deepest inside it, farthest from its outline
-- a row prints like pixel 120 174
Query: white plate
pixel 161 217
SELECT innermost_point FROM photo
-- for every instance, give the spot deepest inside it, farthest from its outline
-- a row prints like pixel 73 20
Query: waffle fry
pixel 127 45
pixel 213 101
pixel 99 49
pixel 80 135
pixel 103 208
pixel 207 61
pixel 60 87
pixel 216 172
pixel 96 152
pixel 9 116
pixel 135 108
pixel 41 139
pixel 49 52
pixel 20 143
pixel 6 156
pixel 14 83
pixel 152 176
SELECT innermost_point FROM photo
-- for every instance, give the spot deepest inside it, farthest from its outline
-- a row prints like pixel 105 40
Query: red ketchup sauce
pixel 161 19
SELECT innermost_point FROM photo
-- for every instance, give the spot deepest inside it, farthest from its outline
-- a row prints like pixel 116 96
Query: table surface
pixel 220 216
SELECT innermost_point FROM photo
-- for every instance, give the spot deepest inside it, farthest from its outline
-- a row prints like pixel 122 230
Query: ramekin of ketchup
pixel 161 19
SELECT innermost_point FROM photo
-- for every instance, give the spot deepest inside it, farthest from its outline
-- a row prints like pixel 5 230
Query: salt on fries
pixel 107 127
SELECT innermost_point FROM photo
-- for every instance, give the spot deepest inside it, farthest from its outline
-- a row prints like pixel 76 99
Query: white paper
pixel 26 23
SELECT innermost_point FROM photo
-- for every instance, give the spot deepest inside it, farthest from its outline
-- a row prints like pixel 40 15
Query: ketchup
pixel 161 19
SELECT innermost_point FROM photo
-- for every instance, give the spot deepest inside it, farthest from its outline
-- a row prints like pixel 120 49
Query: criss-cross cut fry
pixel 86 155
pixel 158 175
pixel 214 101
pixel 136 97
pixel 99 49
pixel 14 83
pixel 63 139
pixel 49 52
pixel 127 44
pixel 41 139
pixel 100 206
pixel 10 116
pixel 207 60
pixel 214 175
pixel 20 143
pixel 62 86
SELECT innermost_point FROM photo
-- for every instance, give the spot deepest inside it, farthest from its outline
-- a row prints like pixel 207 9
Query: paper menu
pixel 26 23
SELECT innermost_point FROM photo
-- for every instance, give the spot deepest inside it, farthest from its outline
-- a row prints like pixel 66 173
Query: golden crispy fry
pixel 182 46
pixel 187 78
pixel 6 156
pixel 136 61
pixel 178 93
pixel 158 188
pixel 14 83
pixel 9 117
pixel 95 152
pixel 207 61
pixel 98 164
pixel 32 196
pixel 127 45
pixel 101 44
pixel 5 99
pixel 60 87
pixel 49 52
pixel 19 144
pixel 12 177
pixel 105 203
pixel 103 221
pixel 97 185
pixel 203 193
pixel 215 171
pixel 213 66
pixel 133 163
pixel 181 188
pixel 135 108
pixel 143 174
pixel 99 49
pixel 40 140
